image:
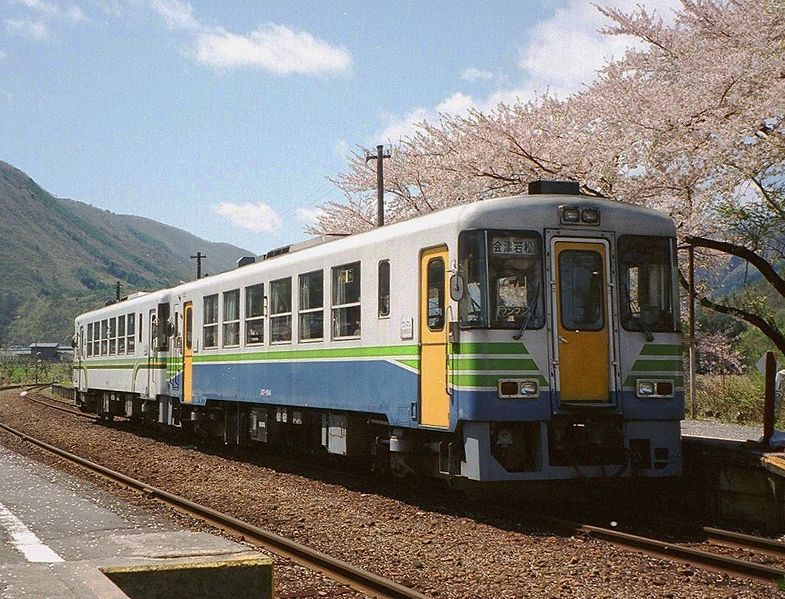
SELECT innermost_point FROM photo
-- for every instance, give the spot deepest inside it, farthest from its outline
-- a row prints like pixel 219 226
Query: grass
pixel 736 399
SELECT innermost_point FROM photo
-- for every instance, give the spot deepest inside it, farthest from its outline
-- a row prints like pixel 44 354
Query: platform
pixel 61 537
pixel 732 477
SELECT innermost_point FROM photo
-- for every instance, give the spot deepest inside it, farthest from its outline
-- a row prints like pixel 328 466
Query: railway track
pixel 335 569
pixel 651 546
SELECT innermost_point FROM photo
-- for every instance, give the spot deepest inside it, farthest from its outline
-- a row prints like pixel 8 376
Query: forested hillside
pixel 59 257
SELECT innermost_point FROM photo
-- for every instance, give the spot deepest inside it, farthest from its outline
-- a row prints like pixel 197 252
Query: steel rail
pixel 338 570
pixel 62 408
pixel 690 555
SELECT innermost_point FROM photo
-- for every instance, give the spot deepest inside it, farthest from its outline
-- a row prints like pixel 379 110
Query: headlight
pixel 529 388
pixel 645 389
pixel 654 388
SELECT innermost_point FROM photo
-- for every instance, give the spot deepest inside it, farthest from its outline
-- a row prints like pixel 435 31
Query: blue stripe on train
pixel 374 386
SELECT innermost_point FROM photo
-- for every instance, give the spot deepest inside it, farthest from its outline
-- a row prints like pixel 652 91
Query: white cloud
pixel 341 148
pixel 273 48
pixel 560 55
pixel 308 215
pixel 474 74
pixel 33 29
pixel 400 126
pixel 52 9
pixel 176 14
pixel 256 217
pixel 565 52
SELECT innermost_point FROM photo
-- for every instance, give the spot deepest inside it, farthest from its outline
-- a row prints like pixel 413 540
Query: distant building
pixel 50 352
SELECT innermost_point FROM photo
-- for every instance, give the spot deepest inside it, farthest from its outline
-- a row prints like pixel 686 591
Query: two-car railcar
pixel 525 338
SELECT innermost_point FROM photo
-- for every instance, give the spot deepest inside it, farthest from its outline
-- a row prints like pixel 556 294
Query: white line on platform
pixel 25 540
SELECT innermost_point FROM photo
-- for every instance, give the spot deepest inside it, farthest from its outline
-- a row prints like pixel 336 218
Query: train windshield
pixel 646 267
pixel 502 271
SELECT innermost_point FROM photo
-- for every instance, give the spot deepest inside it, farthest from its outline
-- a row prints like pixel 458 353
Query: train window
pixel 112 336
pixel 346 311
pixel 231 318
pixel 515 279
pixel 121 334
pixel 140 329
pixel 210 321
pixel 311 324
pixel 502 272
pixel 471 266
pixel 646 289
pixel 384 288
pixel 104 337
pixel 89 339
pixel 97 339
pixel 436 294
pixel 254 314
pixel 581 283
pixel 281 310
pixel 129 343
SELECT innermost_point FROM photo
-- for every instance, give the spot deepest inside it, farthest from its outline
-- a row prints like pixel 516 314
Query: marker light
pixel 590 216
pixel 654 388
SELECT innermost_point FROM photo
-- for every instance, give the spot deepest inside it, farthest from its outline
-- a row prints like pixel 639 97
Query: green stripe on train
pixel 660 349
pixel 509 364
pixel 490 348
pixel 657 365
pixel 382 351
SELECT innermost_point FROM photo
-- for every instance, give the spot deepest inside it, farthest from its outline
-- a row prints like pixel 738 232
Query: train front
pixel 565 361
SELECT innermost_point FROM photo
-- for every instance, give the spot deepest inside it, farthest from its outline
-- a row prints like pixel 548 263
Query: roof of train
pixel 492 213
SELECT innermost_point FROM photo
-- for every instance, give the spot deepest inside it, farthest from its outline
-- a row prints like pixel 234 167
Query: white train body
pixel 500 340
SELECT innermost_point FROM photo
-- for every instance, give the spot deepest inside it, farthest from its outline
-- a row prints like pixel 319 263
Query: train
pixel 526 338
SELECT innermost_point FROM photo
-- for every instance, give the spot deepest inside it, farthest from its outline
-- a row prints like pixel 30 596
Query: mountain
pixel 59 257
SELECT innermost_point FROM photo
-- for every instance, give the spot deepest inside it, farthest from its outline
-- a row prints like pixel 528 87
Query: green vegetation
pixel 729 386
pixel 22 370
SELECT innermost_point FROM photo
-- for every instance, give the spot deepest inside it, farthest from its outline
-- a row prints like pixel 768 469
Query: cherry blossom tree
pixel 691 122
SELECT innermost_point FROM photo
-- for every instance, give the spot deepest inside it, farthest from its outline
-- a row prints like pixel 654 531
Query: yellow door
pixel 582 321
pixel 188 350
pixel 434 399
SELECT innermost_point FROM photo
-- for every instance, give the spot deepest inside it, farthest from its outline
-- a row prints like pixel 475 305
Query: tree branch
pixel 767 328
pixel 765 268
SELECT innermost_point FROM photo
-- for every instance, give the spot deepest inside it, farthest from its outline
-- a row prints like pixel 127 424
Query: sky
pixel 228 119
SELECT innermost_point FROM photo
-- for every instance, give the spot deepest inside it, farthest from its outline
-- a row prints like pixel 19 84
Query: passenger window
pixel 436 294
pixel 281 310
pixel 112 336
pixel 346 301
pixel 130 334
pixel 121 334
pixel 97 339
pixel 210 319
pixel 89 339
pixel 104 337
pixel 312 306
pixel 231 318
pixel 254 314
pixel 384 289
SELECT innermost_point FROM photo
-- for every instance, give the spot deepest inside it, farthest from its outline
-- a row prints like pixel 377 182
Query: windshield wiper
pixel 531 309
pixel 649 334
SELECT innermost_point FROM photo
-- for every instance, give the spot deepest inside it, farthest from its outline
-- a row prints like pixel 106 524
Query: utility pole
pixel 380 156
pixel 117 287
pixel 198 258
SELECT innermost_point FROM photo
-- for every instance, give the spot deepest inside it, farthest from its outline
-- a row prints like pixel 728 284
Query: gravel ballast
pixel 417 543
